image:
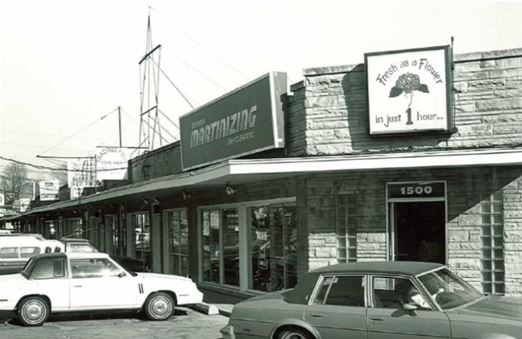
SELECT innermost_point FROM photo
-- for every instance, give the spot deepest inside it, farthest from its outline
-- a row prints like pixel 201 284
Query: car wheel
pixel 294 333
pixel 33 311
pixel 159 306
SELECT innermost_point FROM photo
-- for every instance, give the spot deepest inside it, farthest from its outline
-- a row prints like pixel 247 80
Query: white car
pixel 72 282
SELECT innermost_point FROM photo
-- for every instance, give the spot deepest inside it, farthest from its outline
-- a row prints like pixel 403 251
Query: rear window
pixel 48 268
pixel 27 252
pixel 8 252
pixel 83 248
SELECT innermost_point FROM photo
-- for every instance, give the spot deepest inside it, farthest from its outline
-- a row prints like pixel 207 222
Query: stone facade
pixel 466 189
pixel 327 115
pixel 487 100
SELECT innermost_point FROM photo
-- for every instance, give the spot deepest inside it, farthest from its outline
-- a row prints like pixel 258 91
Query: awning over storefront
pixel 250 170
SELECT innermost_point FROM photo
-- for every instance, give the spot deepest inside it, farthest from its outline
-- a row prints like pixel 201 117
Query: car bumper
pixel 228 332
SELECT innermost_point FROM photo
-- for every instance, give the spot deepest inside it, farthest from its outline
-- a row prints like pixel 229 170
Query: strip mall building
pixel 413 155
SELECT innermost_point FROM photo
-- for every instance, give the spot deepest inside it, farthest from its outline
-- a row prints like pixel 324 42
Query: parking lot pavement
pixel 185 324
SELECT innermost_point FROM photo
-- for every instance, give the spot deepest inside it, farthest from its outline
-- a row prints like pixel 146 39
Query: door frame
pixel 390 212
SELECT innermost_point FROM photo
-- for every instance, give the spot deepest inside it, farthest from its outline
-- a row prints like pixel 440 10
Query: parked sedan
pixel 69 282
pixel 377 300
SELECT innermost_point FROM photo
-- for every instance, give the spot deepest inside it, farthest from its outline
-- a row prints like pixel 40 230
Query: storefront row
pixel 467 218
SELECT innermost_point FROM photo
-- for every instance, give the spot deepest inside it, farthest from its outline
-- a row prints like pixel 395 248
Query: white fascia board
pixel 377 162
pixel 490 157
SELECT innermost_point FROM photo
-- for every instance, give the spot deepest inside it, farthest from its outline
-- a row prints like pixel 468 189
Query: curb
pixel 210 309
pixel 224 312
pixel 205 308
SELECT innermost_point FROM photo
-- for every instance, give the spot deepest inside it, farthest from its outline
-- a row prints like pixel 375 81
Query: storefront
pixel 415 155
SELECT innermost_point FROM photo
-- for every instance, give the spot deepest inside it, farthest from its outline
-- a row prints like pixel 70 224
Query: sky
pixel 65 66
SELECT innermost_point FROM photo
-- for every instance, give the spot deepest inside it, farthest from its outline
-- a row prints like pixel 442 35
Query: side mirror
pixel 409 307
pixel 121 274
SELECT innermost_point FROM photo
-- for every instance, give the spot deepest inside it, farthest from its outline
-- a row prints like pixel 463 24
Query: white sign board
pixel 80 174
pixel 24 204
pixel 408 91
pixel 111 164
pixel 49 190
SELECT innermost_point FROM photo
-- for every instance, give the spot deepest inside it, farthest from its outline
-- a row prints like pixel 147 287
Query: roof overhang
pixel 249 170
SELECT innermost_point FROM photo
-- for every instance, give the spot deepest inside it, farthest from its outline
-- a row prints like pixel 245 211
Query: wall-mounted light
pixel 229 189
pixel 186 195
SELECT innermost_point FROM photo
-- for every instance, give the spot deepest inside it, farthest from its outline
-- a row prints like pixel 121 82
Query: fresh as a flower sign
pixel 408 90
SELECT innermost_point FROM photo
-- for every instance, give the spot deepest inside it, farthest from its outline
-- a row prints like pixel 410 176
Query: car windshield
pixel 447 289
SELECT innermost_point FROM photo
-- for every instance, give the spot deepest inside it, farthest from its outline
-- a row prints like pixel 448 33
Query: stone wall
pixel 487 102
pixel 466 188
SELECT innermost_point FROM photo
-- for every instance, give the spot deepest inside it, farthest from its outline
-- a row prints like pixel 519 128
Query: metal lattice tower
pixel 150 127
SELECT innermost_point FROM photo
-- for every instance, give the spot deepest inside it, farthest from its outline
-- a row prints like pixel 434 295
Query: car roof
pixel 381 267
pixel 74 240
pixel 75 255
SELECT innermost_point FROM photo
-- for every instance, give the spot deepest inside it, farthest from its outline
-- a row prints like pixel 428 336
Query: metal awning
pixel 249 170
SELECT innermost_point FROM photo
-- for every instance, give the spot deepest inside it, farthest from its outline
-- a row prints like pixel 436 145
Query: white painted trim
pixel 252 168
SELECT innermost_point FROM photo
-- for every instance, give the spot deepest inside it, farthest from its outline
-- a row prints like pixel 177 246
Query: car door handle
pixel 78 285
pixel 376 319
pixel 317 315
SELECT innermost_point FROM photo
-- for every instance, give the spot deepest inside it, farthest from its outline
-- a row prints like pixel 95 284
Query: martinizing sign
pixel 408 90
pixel 244 121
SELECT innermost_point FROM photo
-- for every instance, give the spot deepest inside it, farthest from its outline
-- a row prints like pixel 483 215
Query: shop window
pixel 177 238
pixel 493 244
pixel 74 228
pixel 273 247
pixel 140 224
pixel 346 227
pixel 220 245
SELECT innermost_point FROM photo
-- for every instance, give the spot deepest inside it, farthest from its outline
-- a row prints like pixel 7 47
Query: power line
pixel 200 44
pixel 78 132
pixel 41 167
pixel 215 83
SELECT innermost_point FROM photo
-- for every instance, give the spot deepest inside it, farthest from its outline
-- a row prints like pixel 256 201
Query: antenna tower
pixel 150 127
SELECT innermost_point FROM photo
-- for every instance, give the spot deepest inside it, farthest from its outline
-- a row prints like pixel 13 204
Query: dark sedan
pixel 374 300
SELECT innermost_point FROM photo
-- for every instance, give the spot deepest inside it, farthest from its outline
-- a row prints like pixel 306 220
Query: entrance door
pixel 419 229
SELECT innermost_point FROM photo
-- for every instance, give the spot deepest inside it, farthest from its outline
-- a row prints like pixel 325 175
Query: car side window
pixel 392 293
pixel 48 268
pixel 93 268
pixel 8 252
pixel 341 291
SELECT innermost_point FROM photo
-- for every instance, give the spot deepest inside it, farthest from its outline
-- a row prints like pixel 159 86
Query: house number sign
pixel 416 190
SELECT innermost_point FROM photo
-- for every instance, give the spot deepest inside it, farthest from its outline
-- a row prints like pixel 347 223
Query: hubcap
pixel 34 311
pixel 160 307
pixel 292 335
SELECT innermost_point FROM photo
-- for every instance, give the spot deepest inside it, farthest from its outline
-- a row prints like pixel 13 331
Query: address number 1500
pixel 416 190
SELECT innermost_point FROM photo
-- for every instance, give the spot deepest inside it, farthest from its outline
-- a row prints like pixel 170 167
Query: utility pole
pixel 119 124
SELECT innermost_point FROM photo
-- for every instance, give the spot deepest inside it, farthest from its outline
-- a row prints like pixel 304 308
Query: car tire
pixel 33 311
pixel 159 306
pixel 294 333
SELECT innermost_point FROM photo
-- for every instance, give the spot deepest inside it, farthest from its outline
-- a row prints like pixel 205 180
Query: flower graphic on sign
pixel 408 83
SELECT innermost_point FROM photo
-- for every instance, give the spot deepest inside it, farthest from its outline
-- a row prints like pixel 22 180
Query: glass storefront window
pixel 74 228
pixel 231 246
pixel 273 247
pixel 220 246
pixel 177 237
pixel 140 223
